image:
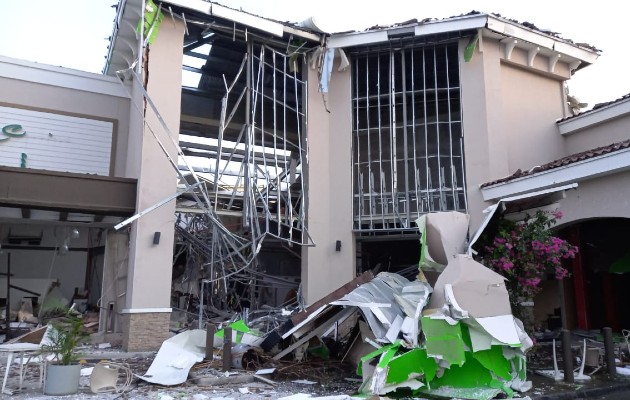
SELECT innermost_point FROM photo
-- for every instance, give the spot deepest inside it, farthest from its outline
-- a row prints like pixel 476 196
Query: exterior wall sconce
pixel 338 245
pixel 156 237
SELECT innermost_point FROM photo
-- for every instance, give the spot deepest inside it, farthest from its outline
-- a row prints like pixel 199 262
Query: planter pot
pixel 62 379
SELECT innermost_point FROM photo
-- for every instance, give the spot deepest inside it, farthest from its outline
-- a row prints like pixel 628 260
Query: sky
pixel 74 33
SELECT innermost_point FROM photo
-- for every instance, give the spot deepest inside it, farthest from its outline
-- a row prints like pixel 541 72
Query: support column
pixel 329 212
pixel 147 310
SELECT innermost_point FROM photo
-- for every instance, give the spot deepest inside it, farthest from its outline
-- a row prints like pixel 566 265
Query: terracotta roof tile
pixel 585 155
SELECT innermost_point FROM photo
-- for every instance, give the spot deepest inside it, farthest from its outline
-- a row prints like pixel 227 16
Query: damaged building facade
pixel 263 164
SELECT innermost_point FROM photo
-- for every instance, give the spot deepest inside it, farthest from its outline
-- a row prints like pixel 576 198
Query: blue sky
pixel 73 33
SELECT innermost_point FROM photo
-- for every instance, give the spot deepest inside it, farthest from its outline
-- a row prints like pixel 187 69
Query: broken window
pixel 407 135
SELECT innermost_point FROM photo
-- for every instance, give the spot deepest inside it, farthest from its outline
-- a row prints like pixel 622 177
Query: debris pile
pixel 456 337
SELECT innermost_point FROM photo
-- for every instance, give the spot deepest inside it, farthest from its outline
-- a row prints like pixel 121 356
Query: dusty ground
pixel 329 379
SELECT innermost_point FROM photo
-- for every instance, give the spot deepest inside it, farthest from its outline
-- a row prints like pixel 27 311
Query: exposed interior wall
pixel 610 131
pixel 330 188
pixel 83 103
pixel 44 261
pixel 547 305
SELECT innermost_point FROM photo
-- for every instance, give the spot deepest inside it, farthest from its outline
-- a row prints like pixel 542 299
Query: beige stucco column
pixel 147 307
pixel 485 140
pixel 329 209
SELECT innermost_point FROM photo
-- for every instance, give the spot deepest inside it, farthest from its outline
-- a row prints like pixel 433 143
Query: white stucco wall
pixel 149 279
pixel 603 134
pixel 509 113
pixel 601 197
pixel 330 188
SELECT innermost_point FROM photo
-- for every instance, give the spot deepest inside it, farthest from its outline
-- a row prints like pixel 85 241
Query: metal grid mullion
pixel 370 181
pixel 381 179
pixel 426 133
pixel 392 132
pixel 405 138
pixel 358 183
pixel 416 175
pixel 437 126
pixel 450 133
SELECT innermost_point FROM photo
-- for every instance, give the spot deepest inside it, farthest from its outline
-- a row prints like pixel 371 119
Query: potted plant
pixel 64 371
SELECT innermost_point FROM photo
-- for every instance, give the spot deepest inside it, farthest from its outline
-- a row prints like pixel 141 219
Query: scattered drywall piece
pixel 304 396
pixel 470 374
pixel 176 357
pixel 426 261
pixel 454 309
pixel 297 396
pixel 443 340
pixel 251 340
pixel 520 385
pixel 502 328
pixel 265 371
pixel 446 234
pixel 412 384
pixel 480 340
pixel 394 330
pixel 479 393
pixel 360 347
pixel 304 382
pixel 410 329
pixel 412 364
pixel 526 341
pixel 375 378
pixel 477 289
pixel 493 360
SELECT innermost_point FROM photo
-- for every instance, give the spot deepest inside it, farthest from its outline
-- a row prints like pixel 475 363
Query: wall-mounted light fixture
pixel 156 237
pixel 338 245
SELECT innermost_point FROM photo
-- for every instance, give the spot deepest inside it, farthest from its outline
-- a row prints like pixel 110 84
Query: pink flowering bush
pixel 527 253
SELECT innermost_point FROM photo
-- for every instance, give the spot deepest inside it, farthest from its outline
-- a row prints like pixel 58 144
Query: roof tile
pixel 574 158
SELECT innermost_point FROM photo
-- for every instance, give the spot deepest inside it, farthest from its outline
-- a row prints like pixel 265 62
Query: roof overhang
pixel 594 117
pixel 125 42
pixel 351 39
pixel 490 26
pixel 603 165
pixel 521 204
